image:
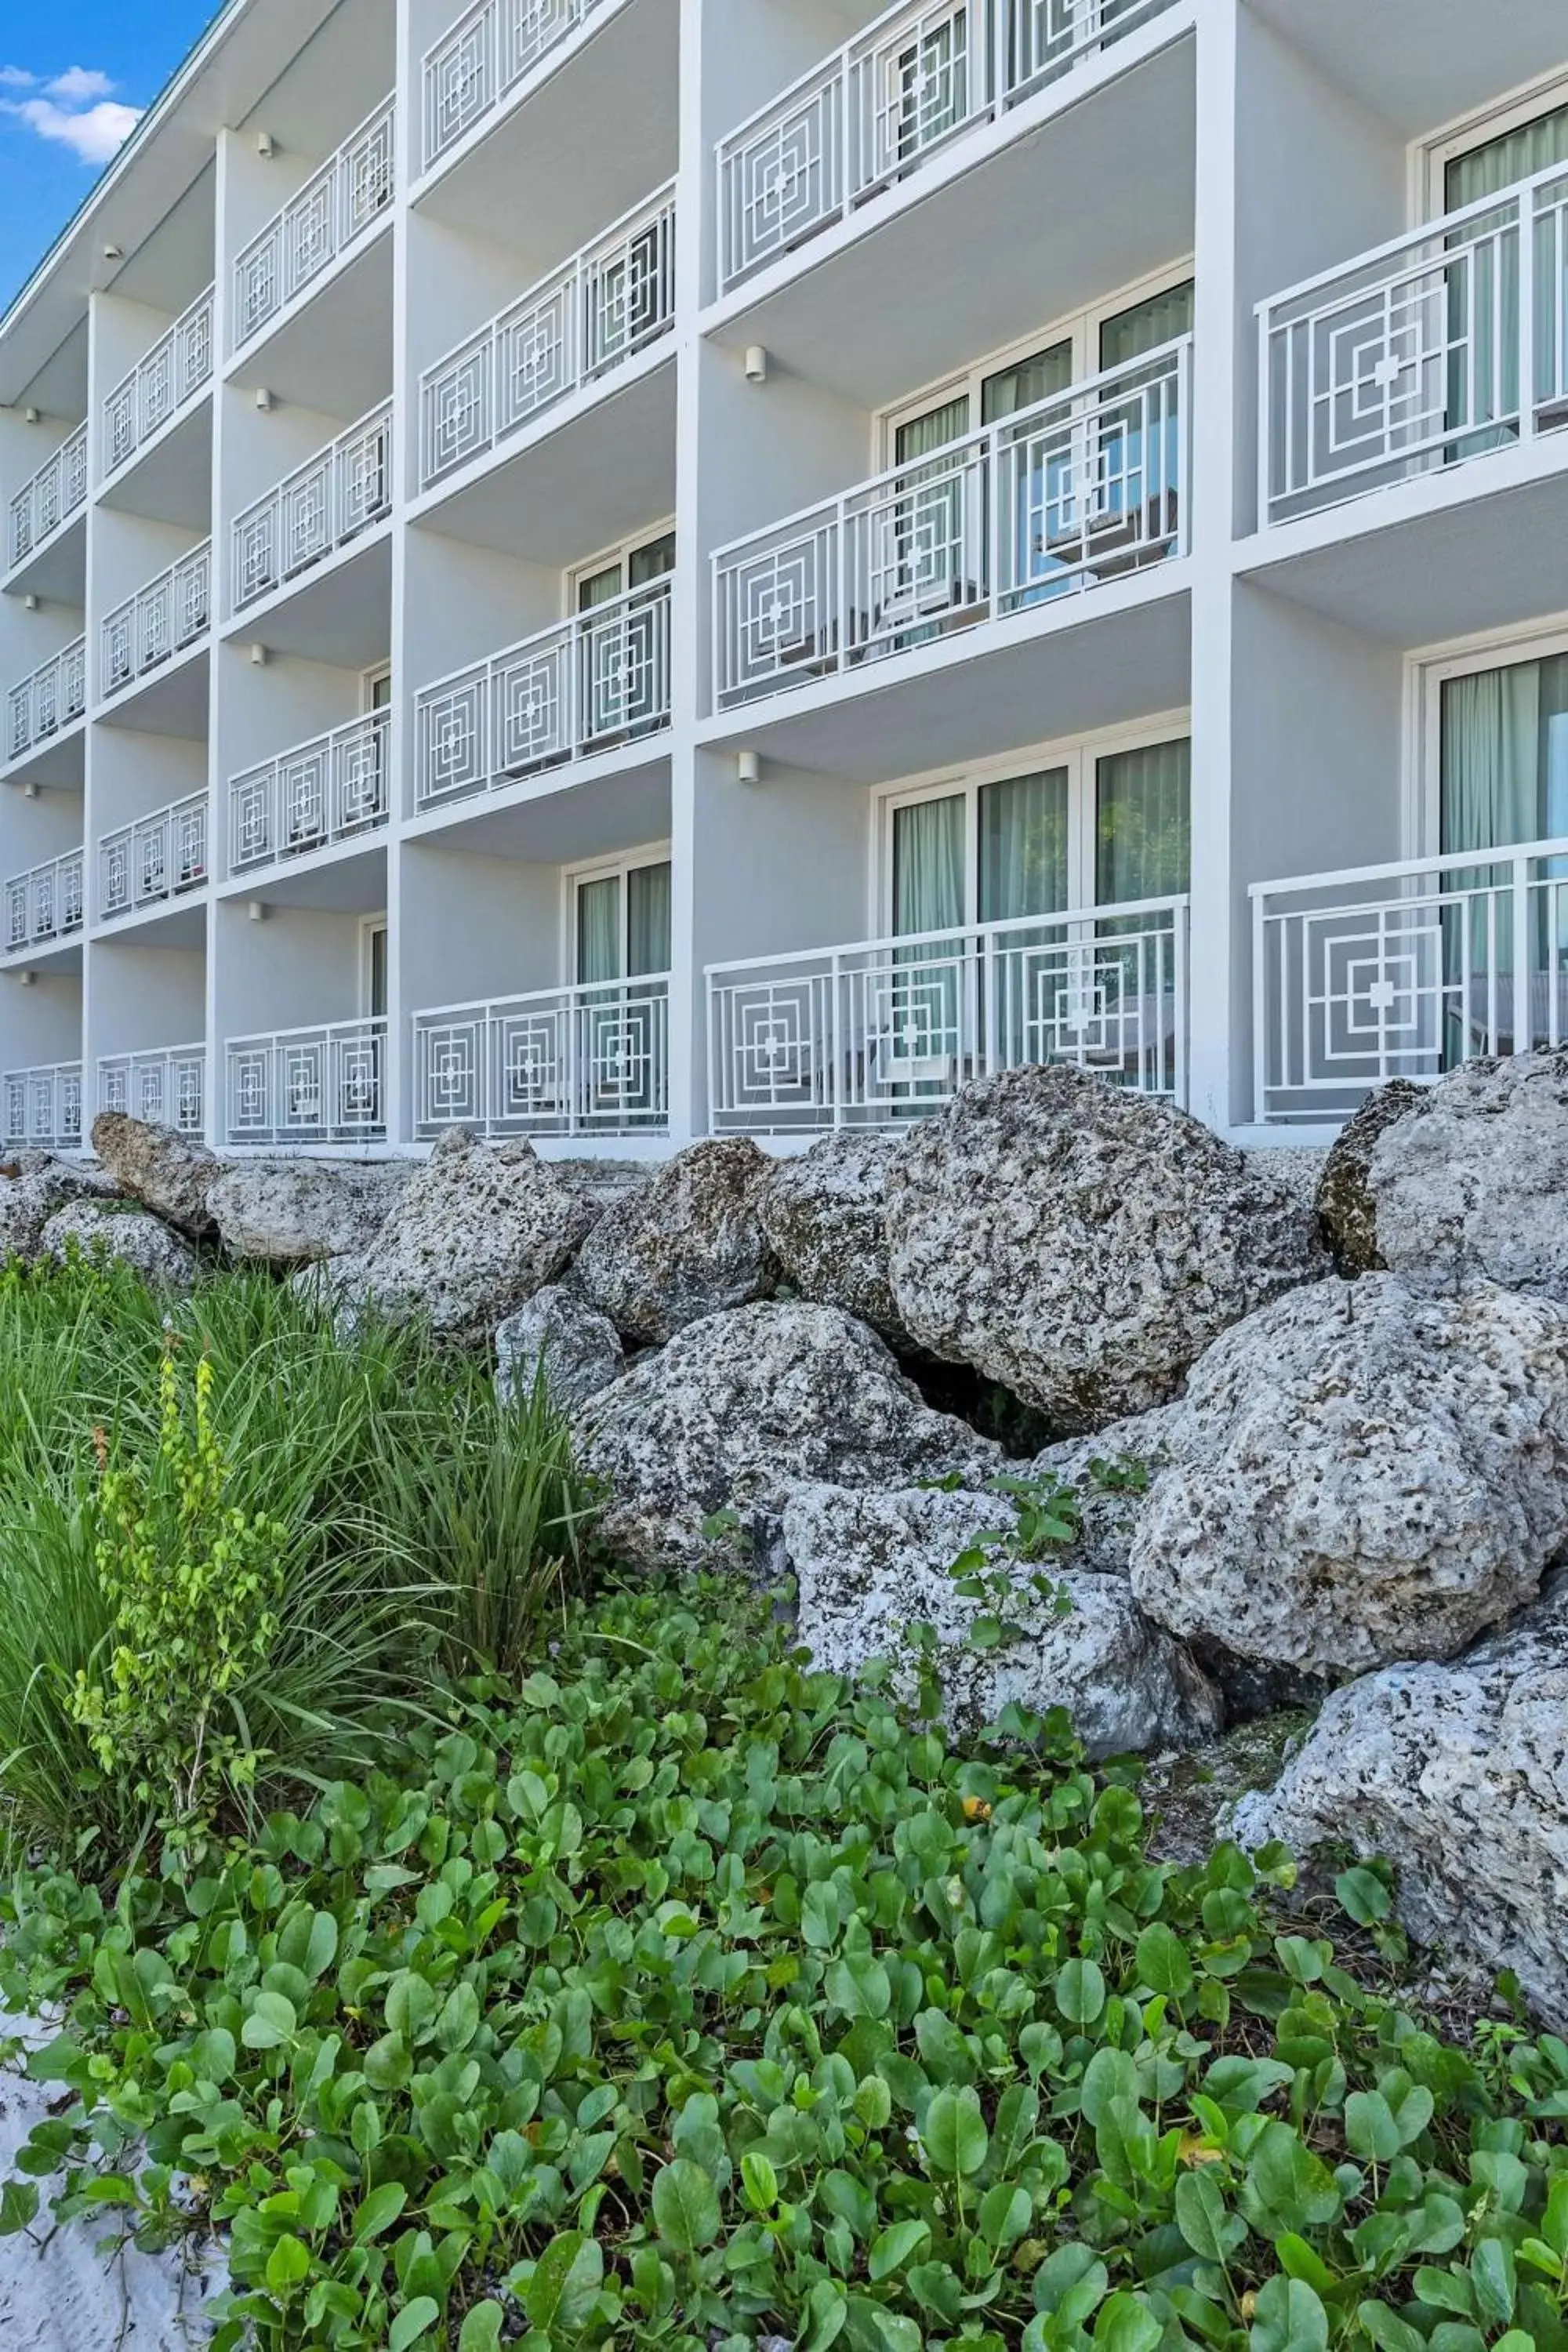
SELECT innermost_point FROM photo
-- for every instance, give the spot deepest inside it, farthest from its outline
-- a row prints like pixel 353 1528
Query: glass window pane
pixel 928 865
pixel 1499 162
pixel 1146 326
pixel 1024 383
pixel 378 973
pixel 1024 846
pixel 380 691
pixel 1504 763
pixel 1143 829
pixel 652 562
pixel 648 920
pixel 599 929
pixel 919 436
pixel 599 587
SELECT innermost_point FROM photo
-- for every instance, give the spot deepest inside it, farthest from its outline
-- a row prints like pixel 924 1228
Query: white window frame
pixel 621 552
pixel 370 679
pixel 1079 754
pixel 369 925
pixel 600 869
pixel 1428 673
pixel 1081 328
pixel 1430 156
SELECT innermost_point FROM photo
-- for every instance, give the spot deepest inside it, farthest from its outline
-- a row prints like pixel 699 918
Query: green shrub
pixel 678 1997
pixel 407 1525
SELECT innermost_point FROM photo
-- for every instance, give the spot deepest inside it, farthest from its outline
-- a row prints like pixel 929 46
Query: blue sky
pixel 73 78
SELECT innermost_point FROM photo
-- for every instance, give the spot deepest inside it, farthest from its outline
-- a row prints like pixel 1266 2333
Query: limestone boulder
pixel 686 1243
pixel 478 1229
pixel 288 1212
pixel 1361 1473
pixel 698 1446
pixel 1111 1475
pixel 1081 1245
pixel 557 1332
pixel 1476 1188
pixel 870 1565
pixel 1457 1774
pixel 169 1174
pixel 825 1217
pixel 164 1257
pixel 33 1188
pixel 1347 1212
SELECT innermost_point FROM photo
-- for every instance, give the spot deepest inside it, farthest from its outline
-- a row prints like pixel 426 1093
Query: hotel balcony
pixel 42 1107
pixel 159 387
pixel 166 1088
pixel 1088 486
pixel 324 1085
pixel 166 617
pixel 575 327
pixel 580 1061
pixel 584 686
pixel 323 506
pixel 333 789
pixel 45 503
pixel 334 213
pixel 155 860
pixel 490 51
pixel 1405 970
pixel 916 80
pixel 883 1030
pixel 53 697
pixel 45 906
pixel 1434 351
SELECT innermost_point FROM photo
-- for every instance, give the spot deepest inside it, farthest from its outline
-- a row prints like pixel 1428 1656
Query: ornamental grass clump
pixel 676 1997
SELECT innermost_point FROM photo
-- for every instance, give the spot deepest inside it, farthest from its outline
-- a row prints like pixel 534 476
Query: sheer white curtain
pixel 1024 846
pixel 599 929
pixel 1485 172
pixel 928 865
pixel 1144 822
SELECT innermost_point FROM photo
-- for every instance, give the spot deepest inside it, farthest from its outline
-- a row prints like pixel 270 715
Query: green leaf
pixel 1492 2269
pixel 1387 2330
pixel 459 2019
pixel 954 2133
pixel 18 2207
pixel 686 2206
pixel 1363 1894
pixel 1200 2216
pixel 272 2023
pixel 892 2250
pixel 379 2210
pixel 1162 1962
pixel 827 2316
pixel 759 2181
pixel 1554 2224
pixel 414 2320
pixel 1080 1991
pixel 1124 2323
pixel 1289 2316
pixel 1371 2131
pixel 1295 2188
pixel 1005 2212
pixel 287 2264
pixel 482 2328
pixel 566 2279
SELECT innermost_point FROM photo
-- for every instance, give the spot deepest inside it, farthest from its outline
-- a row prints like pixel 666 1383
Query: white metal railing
pixel 43 1107
pixel 490 49
pixel 591 1059
pixel 1437 348
pixel 166 1088
pixel 1085 487
pixel 331 789
pixel 598 679
pixel 54 695
pixel 46 903
pixel 49 498
pixel 338 205
pixel 159 622
pixel 1405 970
pixel 871 113
pixel 322 505
pixel 886 1030
pixel 157 858
pixel 179 364
pixel 324 1085
pixel 599 309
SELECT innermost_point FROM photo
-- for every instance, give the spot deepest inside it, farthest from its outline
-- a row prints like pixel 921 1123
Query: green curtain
pixel 923 436
pixel 1144 822
pixel 648 920
pixel 1146 326
pixel 1024 846
pixel 599 588
pixel 1490 787
pixel 1489 388
pixel 928 865
pixel 1026 382
pixel 599 929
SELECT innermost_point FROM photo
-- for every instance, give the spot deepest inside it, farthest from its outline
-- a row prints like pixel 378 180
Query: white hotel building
pixel 620 569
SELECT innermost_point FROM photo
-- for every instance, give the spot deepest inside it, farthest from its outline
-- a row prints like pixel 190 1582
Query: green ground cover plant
pixel 673 1996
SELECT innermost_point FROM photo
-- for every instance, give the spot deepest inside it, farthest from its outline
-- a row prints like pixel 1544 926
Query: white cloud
pixel 78 86
pixel 16 78
pixel 94 133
